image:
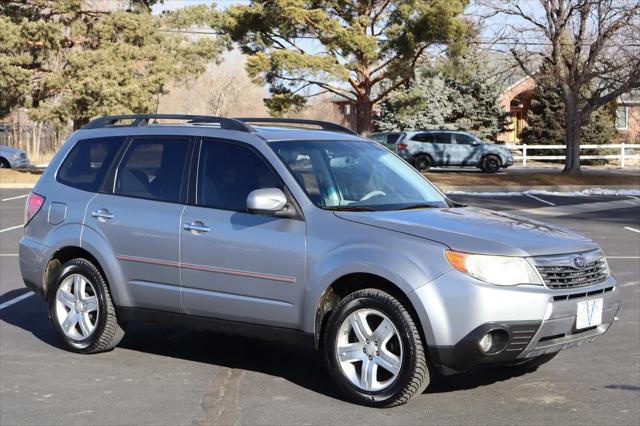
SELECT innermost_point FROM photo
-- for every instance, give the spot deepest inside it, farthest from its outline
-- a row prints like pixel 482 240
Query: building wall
pixel 630 134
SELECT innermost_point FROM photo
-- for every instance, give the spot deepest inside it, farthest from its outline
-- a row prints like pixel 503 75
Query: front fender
pixel 408 269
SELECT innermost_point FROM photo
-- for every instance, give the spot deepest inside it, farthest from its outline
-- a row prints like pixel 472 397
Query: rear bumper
pixel 459 311
pixel 33 257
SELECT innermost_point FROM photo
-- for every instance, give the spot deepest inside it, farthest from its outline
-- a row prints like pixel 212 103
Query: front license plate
pixel 589 313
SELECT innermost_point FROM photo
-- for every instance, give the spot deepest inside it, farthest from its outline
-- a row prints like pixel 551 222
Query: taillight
pixel 33 206
pixel 401 146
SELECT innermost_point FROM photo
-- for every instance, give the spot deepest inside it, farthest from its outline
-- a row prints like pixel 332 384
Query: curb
pixel 17 185
pixel 549 188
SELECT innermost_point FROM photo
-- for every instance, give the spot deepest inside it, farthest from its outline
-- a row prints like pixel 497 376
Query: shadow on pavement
pixel 302 367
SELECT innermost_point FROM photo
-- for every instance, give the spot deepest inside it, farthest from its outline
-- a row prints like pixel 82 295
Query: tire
pixel 71 302
pixel 491 164
pixel 535 363
pixel 4 164
pixel 422 162
pixel 404 350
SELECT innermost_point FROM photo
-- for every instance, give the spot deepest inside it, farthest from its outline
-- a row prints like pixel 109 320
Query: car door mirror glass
pixel 266 201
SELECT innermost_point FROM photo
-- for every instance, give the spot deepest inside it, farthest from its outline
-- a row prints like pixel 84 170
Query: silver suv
pixel 426 148
pixel 313 237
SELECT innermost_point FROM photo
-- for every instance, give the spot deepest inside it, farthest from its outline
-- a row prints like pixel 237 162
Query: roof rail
pixel 324 125
pixel 140 120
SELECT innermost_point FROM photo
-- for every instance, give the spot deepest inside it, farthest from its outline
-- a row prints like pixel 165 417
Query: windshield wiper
pixel 351 209
pixel 418 206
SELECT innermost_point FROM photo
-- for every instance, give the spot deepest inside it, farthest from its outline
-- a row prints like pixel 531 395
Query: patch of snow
pixel 583 193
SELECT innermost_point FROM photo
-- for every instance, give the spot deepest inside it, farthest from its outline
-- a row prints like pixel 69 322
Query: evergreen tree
pixel 67 62
pixel 457 94
pixel 546 119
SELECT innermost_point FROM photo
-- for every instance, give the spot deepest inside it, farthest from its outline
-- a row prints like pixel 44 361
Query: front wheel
pixel 81 309
pixel 4 164
pixel 491 164
pixel 374 351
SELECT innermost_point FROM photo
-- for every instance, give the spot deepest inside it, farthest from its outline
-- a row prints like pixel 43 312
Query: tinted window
pixel 228 173
pixel 392 137
pixel 442 137
pixel 462 139
pixel 88 162
pixel 423 137
pixel 153 168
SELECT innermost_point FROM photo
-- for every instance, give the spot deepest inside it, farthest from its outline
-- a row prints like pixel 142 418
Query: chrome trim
pixel 203 268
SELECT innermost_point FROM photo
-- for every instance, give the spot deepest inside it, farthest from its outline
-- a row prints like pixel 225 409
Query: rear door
pixel 140 218
pixel 442 147
pixel 236 265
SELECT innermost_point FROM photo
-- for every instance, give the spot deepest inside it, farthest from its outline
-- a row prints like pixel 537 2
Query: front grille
pixel 564 277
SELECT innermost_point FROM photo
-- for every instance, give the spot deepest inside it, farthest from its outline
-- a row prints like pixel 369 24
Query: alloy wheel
pixel 77 307
pixel 369 350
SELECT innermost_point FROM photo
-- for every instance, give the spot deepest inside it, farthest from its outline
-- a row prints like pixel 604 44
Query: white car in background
pixel 12 158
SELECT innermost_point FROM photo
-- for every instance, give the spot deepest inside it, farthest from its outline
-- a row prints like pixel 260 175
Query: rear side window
pixel 153 168
pixel 442 138
pixel 88 162
pixel 423 137
pixel 228 172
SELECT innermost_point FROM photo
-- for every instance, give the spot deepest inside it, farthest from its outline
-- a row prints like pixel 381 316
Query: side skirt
pixel 254 331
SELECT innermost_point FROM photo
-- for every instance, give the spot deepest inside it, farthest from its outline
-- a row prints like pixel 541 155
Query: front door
pixel 465 150
pixel 236 265
pixel 141 220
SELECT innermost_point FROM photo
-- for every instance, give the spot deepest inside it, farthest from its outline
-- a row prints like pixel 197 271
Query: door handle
pixel 102 215
pixel 196 227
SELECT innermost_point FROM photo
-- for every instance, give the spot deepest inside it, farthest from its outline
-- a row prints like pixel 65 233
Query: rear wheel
pixel 422 162
pixel 491 164
pixel 374 350
pixel 4 164
pixel 81 309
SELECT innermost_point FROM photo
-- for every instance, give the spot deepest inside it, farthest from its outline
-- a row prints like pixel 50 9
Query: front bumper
pixel 20 163
pixel 456 311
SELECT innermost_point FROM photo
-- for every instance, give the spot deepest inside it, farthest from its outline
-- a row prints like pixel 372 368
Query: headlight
pixel 499 270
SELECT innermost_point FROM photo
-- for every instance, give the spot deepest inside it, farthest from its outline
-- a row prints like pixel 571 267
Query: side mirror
pixel 266 201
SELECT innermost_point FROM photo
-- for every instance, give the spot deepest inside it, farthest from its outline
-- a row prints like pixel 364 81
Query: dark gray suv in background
pixel 313 237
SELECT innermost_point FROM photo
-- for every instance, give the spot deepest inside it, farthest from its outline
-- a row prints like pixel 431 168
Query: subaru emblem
pixel 579 261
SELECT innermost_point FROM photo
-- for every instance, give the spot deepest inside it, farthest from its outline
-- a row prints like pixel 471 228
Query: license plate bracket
pixel 588 313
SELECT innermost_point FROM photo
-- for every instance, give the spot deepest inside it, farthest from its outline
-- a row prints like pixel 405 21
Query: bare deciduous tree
pixel 592 48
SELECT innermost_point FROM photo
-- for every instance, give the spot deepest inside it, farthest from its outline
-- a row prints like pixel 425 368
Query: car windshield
pixel 356 175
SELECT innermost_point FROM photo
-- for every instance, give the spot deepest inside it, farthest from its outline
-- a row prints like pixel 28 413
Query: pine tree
pixel 457 94
pixel 546 123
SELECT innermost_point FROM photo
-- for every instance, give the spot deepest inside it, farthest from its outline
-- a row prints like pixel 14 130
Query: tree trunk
pixel 364 115
pixel 573 120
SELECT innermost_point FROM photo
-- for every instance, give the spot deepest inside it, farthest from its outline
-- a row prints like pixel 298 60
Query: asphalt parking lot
pixel 170 375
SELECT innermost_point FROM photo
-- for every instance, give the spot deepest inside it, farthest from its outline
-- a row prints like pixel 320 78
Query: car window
pixel 423 137
pixel 444 138
pixel 228 172
pixel 392 137
pixel 88 162
pixel 153 168
pixel 351 174
pixel 462 139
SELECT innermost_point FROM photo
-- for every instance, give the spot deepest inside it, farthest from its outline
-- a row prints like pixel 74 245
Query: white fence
pixel 622 154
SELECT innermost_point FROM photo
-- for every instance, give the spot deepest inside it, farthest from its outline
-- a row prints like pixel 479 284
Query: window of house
pixel 621 118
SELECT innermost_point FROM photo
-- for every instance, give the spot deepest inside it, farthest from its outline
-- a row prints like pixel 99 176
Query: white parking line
pixel 15 198
pixel 8 254
pixel 11 228
pixel 540 199
pixel 15 300
pixel 628 228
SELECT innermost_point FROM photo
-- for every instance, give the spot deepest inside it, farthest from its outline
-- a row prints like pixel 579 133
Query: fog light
pixel 485 343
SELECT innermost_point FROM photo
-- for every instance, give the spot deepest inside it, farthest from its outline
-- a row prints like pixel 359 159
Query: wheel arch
pixel 64 254
pixel 350 283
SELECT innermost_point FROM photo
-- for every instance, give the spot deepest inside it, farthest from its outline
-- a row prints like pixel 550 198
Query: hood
pixel 475 230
